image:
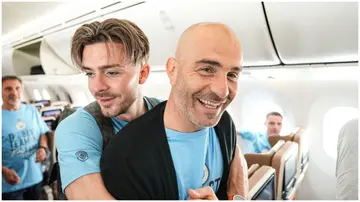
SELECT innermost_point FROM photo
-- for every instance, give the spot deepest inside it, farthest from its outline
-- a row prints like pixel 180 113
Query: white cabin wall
pixel 254 100
pixel 320 181
pixel 306 102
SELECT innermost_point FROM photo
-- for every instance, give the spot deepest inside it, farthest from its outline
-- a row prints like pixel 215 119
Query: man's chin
pixel 206 122
pixel 107 111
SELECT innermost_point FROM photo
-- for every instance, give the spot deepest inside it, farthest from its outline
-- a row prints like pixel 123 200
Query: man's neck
pixel 10 107
pixel 174 119
pixel 137 109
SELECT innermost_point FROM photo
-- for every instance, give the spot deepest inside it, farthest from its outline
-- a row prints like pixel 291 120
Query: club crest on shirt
pixel 205 175
pixel 20 125
pixel 81 155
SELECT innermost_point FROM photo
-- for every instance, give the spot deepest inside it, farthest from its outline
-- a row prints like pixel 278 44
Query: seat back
pixel 262 184
pixel 60 103
pixel 303 154
pixel 285 164
pixel 38 106
pixel 52 111
pixel 263 159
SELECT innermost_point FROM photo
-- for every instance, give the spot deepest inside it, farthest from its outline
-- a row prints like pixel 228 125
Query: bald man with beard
pixel 185 148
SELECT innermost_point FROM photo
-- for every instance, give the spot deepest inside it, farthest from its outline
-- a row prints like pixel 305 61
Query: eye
pixel 233 75
pixel 89 74
pixel 207 70
pixel 112 73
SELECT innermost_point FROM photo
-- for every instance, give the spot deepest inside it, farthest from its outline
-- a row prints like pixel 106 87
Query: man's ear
pixel 172 70
pixel 144 73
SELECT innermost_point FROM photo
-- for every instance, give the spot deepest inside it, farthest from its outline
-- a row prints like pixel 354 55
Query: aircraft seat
pixel 285 164
pixel 52 111
pixel 262 184
pixel 263 159
pixel 252 169
pixel 59 103
pixel 275 138
pixel 303 155
pixel 38 106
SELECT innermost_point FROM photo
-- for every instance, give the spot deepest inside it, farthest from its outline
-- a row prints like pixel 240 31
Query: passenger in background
pixel 185 148
pixel 257 142
pixel 114 54
pixel 347 162
pixel 24 144
pixel 273 123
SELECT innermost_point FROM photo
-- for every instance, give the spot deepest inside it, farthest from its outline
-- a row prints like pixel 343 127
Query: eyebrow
pixel 11 87
pixel 210 62
pixel 217 64
pixel 102 67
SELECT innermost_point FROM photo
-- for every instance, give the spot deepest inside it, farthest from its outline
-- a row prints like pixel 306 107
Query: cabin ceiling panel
pixel 314 32
pixel 162 39
pixel 15 14
pixel 245 18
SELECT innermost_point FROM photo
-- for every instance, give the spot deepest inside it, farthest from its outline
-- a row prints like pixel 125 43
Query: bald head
pixel 207 35
pixel 203 75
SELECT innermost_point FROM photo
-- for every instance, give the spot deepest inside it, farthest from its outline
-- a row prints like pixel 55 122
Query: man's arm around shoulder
pixel 79 143
pixel 88 187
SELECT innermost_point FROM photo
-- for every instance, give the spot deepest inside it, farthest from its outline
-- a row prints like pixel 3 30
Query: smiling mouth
pixel 210 104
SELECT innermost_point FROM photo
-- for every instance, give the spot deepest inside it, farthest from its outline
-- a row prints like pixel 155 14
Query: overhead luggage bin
pixel 314 32
pixel 245 18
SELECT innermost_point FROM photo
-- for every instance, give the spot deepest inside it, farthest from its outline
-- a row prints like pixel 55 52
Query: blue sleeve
pixel 42 125
pixel 79 143
pixel 247 135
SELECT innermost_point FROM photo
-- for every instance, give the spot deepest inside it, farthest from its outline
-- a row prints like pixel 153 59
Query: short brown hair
pixel 11 77
pixel 134 40
pixel 273 114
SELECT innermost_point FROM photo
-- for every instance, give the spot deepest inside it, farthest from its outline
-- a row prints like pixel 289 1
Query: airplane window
pixel 37 94
pixel 45 94
pixel 334 120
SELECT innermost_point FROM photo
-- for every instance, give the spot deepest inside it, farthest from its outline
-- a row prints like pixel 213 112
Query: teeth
pixel 209 104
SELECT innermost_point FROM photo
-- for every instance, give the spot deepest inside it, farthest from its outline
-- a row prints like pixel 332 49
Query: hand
pixel 40 155
pixel 11 177
pixel 205 193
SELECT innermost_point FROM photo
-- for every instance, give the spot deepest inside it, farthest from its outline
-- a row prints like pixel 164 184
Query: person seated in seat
pixel 257 142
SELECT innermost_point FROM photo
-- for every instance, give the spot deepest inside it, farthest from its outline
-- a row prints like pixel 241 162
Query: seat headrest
pixel 275 138
pixel 276 147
